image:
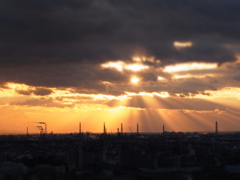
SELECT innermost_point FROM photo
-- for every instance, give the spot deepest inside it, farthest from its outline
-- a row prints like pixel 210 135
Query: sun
pixel 134 80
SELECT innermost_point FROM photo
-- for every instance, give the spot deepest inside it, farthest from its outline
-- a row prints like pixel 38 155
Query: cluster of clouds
pixel 97 31
pixel 79 31
pixel 62 44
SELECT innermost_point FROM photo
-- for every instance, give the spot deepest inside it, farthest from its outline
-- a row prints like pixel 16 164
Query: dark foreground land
pixel 166 156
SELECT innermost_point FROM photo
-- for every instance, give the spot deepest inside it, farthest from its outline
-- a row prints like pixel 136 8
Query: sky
pixel 150 62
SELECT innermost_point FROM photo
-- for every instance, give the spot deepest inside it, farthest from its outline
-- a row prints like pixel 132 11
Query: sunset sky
pixel 152 62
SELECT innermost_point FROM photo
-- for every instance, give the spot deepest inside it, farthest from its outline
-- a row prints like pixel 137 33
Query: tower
pixel 163 128
pixel 45 126
pixel 137 129
pixel 121 128
pixel 104 128
pixel 80 128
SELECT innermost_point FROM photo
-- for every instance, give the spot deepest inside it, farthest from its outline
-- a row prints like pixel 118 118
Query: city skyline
pixel 149 62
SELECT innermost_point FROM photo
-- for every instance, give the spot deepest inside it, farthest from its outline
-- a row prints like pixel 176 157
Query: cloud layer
pixel 61 31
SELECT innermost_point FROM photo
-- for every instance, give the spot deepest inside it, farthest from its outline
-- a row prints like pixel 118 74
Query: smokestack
pixel 137 129
pixel 80 128
pixel 121 128
pixel 163 128
pixel 216 132
pixel 118 130
pixel 45 126
pixel 27 130
pixel 104 128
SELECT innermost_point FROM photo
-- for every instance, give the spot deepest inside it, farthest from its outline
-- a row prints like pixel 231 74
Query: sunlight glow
pixel 189 67
pixel 194 76
pixel 134 80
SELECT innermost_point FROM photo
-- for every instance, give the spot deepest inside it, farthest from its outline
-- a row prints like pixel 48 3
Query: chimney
pixel 137 129
pixel 80 128
pixel 121 128
pixel 104 128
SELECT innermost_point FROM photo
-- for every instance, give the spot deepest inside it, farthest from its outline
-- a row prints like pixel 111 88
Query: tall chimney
pixel 80 128
pixel 163 128
pixel 121 128
pixel 104 128
pixel 45 126
pixel 137 129
pixel 216 132
pixel 118 130
pixel 27 130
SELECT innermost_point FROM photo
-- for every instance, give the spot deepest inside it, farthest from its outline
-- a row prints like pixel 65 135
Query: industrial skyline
pixel 137 131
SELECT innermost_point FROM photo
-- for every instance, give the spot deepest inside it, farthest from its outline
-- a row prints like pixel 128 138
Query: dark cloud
pixel 61 44
pixel 185 87
pixel 191 85
pixel 36 91
pixel 61 31
pixel 83 78
pixel 237 77
pixel 42 91
pixel 24 92
pixel 148 76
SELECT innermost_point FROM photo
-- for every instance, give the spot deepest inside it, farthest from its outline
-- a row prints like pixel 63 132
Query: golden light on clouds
pixel 192 76
pixel 228 92
pixel 160 78
pixel 17 86
pixel 162 94
pixel 144 59
pixel 137 59
pixel 117 65
pixel 178 44
pixel 120 66
pixel 136 67
pixel 189 67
